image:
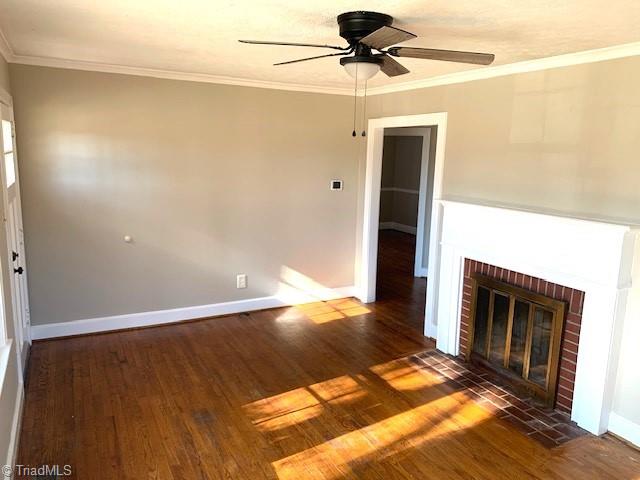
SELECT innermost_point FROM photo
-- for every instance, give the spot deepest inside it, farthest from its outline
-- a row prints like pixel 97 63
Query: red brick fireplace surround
pixel 571 330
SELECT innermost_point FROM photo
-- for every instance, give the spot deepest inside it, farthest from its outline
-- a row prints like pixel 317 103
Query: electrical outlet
pixel 241 280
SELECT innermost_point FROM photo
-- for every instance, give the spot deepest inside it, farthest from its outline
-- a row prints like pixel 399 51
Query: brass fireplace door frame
pixel 535 300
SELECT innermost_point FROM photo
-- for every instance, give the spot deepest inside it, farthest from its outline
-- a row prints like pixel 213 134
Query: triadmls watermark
pixel 37 472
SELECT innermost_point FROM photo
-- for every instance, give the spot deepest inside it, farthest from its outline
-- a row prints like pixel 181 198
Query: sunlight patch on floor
pixel 323 312
pixel 338 390
pixel 392 436
pixel 302 404
pixel 326 311
pixel 445 413
pixel 281 411
pixel 401 375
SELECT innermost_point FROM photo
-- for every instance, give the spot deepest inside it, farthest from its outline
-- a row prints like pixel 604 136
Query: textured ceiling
pixel 200 36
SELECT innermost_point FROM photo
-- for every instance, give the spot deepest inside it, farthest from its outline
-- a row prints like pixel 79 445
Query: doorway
pixel 366 271
pixel 14 234
pixel 403 240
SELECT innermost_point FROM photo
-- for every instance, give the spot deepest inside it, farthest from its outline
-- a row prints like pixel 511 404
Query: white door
pixel 15 235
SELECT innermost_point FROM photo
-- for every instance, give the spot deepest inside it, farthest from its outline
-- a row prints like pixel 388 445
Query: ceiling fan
pixel 367 32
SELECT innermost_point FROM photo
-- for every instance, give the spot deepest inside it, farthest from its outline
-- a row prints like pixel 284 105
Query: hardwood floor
pixel 397 288
pixel 319 391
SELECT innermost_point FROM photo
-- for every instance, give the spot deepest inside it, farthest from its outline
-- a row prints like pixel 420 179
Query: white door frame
pixel 6 103
pixel 366 278
pixel 22 333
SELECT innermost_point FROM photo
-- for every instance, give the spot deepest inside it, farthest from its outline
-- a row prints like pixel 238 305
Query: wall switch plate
pixel 241 280
pixel 336 185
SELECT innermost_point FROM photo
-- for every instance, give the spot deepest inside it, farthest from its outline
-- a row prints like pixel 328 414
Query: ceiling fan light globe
pixel 362 70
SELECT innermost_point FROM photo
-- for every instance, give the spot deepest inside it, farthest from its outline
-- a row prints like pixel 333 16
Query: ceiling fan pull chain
pixel 364 111
pixel 355 103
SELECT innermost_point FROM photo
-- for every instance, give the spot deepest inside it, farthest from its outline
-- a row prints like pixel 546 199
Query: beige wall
pixel 401 158
pixel 386 206
pixel 408 160
pixel 388 161
pixel 215 180
pixel 4 74
pixel 10 382
pixel 386 181
pixel 564 140
pixel 209 180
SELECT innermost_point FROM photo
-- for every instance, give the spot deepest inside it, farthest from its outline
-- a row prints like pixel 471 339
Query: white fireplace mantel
pixel 592 256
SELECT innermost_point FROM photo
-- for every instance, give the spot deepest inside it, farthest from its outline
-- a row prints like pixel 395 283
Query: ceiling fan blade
pixel 445 55
pixel 392 68
pixel 386 36
pixel 289 44
pixel 311 58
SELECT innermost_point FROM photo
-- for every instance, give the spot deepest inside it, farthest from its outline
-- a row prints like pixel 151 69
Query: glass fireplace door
pixel 517 333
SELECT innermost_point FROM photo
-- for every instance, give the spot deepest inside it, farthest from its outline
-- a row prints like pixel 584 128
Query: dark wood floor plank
pixel 318 391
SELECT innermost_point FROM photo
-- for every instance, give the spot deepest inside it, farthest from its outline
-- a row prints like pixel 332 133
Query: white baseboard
pixel 397 226
pixel 624 428
pixel 159 317
pixel 16 425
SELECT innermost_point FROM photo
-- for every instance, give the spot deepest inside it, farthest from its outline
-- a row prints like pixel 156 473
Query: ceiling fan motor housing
pixel 354 26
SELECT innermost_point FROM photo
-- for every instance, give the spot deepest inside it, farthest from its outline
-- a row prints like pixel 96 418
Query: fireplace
pixel 516 333
pixel 587 264
pixel 535 344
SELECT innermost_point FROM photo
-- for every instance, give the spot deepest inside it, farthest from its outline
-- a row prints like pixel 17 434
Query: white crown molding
pixel 587 56
pixel 577 58
pixel 174 75
pixel 5 48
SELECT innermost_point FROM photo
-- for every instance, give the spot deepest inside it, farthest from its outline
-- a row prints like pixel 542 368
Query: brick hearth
pixel 548 427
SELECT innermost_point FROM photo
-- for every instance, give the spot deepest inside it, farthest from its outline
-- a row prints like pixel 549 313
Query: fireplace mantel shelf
pixel 613 222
